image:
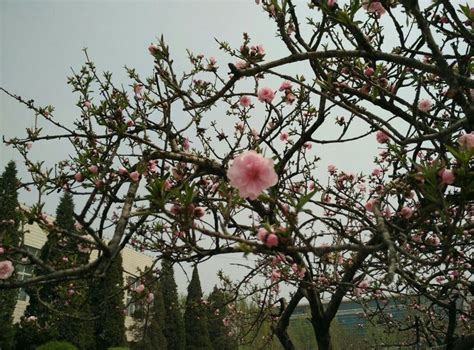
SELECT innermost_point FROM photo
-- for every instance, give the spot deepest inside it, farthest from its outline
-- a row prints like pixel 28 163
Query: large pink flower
pixel 265 94
pixel 251 174
pixel 6 269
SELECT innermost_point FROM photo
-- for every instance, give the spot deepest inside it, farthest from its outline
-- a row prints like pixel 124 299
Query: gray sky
pixel 42 40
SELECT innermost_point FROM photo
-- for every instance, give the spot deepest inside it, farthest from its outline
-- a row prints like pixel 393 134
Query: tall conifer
pixel 174 325
pixel 9 236
pixel 195 317
pixel 108 307
pixel 219 334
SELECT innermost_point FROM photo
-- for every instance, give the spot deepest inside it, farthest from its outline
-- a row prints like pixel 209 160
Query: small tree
pixel 174 325
pixel 9 236
pixel 195 318
pixel 107 296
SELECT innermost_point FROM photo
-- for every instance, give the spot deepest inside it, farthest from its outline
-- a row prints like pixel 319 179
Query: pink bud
pixel 284 136
pixel 94 169
pixel 447 176
pixel 272 240
pixel 134 176
pixel 369 71
pixel 78 177
pixel 199 212
pixel 382 137
pixel 122 170
pixel 140 288
pixel 406 212
pixel 150 297
pixel 153 49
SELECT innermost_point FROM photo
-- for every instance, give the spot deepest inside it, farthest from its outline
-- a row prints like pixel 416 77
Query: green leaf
pixel 305 199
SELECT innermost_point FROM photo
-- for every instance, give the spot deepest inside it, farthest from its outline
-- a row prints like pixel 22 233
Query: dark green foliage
pixel 149 322
pixel 9 236
pixel 67 315
pixel 106 295
pixel 76 330
pixel 57 345
pixel 195 316
pixel 174 324
pixel 218 332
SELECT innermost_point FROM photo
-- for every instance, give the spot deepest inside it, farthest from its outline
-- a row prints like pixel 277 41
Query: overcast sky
pixel 42 40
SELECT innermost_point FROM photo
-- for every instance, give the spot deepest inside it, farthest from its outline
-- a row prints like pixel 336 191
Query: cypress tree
pixel 218 332
pixel 107 296
pixel 9 236
pixel 76 330
pixel 150 321
pixel 195 317
pixel 174 325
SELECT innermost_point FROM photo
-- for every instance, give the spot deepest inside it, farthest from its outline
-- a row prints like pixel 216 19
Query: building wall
pixel 35 238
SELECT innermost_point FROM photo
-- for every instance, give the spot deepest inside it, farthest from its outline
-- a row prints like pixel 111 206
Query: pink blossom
pixel 332 168
pixel 212 60
pixel 374 7
pixel 290 98
pixel 369 71
pixel 130 123
pixel 406 212
pixel 284 136
pixel 467 140
pixel 369 205
pixel 286 85
pixel 94 169
pixel 308 145
pixel 83 248
pixel 245 101
pixel 276 274
pixel 2 250
pixel 251 174
pixel 140 288
pixel 265 94
pixel 150 297
pixel 138 89
pixel 167 185
pixel 382 137
pixel 332 3
pixel 240 126
pixel 241 64
pixel 363 284
pixel 29 145
pixel 87 104
pixel 376 172
pixel 226 322
pixel 425 105
pixel 134 176
pixel 78 177
pixel 199 212
pixel 262 234
pixel 447 176
pixel 6 269
pixel 122 170
pixel 186 144
pixel 272 240
pixel 153 49
pixel 298 271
